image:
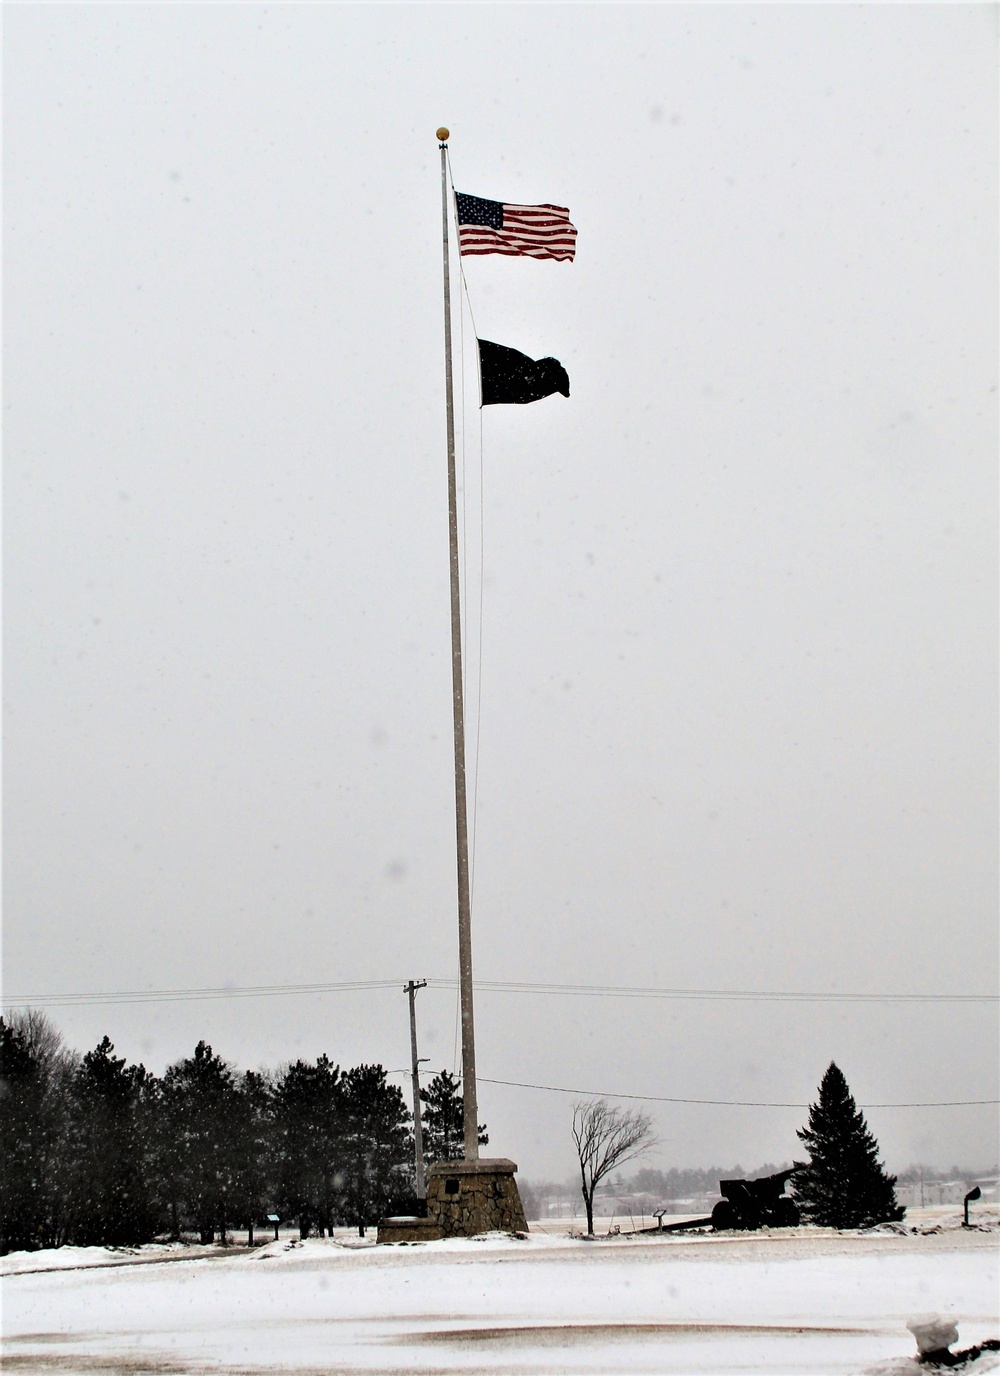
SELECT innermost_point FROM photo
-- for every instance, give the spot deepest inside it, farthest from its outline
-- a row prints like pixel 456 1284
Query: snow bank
pixel 75 1258
pixel 528 1307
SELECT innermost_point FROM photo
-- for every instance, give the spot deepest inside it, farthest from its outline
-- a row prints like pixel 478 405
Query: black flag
pixel 509 376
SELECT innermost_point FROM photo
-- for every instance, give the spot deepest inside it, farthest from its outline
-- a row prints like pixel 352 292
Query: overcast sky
pixel 733 725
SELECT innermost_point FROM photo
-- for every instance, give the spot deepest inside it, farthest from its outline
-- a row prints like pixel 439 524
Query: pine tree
pixel 444 1119
pixel 22 1127
pixel 108 1197
pixel 199 1101
pixel 252 1142
pixel 378 1155
pixel 309 1147
pixel 843 1185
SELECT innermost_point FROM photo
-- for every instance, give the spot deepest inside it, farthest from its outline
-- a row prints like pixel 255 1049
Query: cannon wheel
pixel 724 1217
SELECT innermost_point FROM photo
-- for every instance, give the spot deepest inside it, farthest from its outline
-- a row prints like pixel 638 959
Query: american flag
pixel 524 231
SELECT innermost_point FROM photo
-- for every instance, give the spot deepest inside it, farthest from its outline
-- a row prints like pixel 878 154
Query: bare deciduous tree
pixel 607 1136
pixel 42 1038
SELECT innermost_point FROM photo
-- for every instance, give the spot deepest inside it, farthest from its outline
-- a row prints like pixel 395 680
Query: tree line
pixel 96 1151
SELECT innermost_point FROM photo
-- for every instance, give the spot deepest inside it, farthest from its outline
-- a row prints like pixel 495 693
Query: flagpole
pixel 471 1114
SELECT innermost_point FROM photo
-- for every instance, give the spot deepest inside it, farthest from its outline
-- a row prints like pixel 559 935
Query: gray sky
pixel 737 689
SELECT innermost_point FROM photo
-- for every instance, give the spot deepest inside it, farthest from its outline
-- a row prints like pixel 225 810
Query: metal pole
pixel 461 824
pixel 418 1131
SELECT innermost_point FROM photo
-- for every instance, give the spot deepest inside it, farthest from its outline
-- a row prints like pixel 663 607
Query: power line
pixel 355 986
pixel 746 995
pixel 718 1103
pixel 186 995
pixel 613 991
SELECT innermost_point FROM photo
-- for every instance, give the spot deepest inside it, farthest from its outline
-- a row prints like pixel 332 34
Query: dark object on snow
pixel 750 1204
pixel 843 1184
pixel 934 1337
pixel 680 1227
pixel 745 1205
pixel 963 1357
pixel 974 1193
pixel 509 376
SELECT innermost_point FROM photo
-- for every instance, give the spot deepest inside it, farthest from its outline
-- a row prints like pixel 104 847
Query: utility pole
pixel 418 1132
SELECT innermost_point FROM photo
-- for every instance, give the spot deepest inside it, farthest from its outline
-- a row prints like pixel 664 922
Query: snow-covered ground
pixel 798 1301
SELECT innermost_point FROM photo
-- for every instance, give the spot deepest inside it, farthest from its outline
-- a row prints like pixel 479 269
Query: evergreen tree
pixel 443 1119
pixel 199 1099
pixel 378 1157
pixel 161 1117
pixel 309 1116
pixel 252 1149
pixel 22 1088
pixel 109 1199
pixel 843 1185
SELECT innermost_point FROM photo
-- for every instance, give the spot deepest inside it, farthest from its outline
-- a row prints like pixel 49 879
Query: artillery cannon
pixel 745 1205
pixel 750 1204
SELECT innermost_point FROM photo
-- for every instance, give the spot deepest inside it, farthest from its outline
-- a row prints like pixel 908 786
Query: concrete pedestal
pixel 464 1198
pixel 470 1197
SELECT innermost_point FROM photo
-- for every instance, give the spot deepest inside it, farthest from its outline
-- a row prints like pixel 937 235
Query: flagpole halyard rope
pixel 465 532
pixel 467 299
pixel 482 581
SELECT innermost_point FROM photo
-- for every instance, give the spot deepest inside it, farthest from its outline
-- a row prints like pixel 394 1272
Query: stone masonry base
pixel 464 1198
pixel 407 1229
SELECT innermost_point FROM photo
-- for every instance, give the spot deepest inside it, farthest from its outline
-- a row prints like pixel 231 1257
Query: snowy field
pixel 797 1301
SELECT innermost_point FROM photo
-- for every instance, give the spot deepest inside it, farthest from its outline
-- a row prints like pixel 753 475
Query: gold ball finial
pixel 442 134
